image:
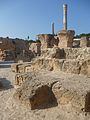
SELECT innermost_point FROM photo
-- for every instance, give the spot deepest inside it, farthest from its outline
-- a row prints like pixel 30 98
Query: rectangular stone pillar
pixel 66 38
pixel 84 42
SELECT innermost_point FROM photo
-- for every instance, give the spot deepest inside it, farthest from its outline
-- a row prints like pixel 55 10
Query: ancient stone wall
pixel 6 44
pixel 77 53
pixel 72 60
pixel 10 49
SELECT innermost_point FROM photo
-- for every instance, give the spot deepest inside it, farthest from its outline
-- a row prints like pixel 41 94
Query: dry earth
pixel 11 110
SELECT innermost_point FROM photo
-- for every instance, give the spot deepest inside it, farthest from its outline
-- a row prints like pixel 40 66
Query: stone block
pixel 85 67
pixel 20 78
pixel 15 67
pixel 47 40
pixel 71 66
pixel 36 48
pixel 35 95
pixel 84 42
pixel 66 38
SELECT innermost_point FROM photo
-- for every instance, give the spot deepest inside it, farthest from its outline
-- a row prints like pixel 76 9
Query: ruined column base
pixel 66 38
pixel 47 41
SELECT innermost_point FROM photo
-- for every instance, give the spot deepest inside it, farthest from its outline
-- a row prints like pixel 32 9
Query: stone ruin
pixel 84 42
pixel 14 49
pixel 55 53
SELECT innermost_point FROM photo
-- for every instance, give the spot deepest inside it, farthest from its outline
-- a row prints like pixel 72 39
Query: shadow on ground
pixel 6 84
pixel 6 64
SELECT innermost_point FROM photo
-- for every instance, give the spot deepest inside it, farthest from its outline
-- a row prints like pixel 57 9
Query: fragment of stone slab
pixel 35 94
pixel 71 66
pixel 77 53
pixel 35 48
pixel 20 78
pixel 85 67
pixel 14 67
pixel 54 52
pixel 64 96
pixel 25 67
pixel 84 42
pixel 21 67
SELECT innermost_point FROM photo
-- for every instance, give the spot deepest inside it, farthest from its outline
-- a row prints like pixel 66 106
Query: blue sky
pixel 22 18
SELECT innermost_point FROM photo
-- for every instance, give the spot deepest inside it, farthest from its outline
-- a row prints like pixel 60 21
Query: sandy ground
pixel 11 110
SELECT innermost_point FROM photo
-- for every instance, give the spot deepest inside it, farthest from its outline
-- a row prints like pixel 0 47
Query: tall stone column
pixel 65 16
pixel 53 29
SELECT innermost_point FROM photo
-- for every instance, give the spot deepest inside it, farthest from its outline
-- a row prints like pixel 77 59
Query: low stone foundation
pixel 49 90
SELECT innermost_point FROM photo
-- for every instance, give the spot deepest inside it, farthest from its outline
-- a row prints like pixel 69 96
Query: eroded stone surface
pixel 84 42
pixel 66 89
pixel 35 94
pixel 47 40
pixel 66 38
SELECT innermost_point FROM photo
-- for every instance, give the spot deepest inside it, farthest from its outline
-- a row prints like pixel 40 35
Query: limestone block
pixel 35 95
pixel 11 48
pixel 66 38
pixel 71 66
pixel 25 67
pixel 78 99
pixel 15 67
pixel 47 40
pixel 77 53
pixel 85 67
pixel 28 68
pixel 35 48
pixel 84 42
pixel 20 78
pixel 57 64
pixel 54 52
